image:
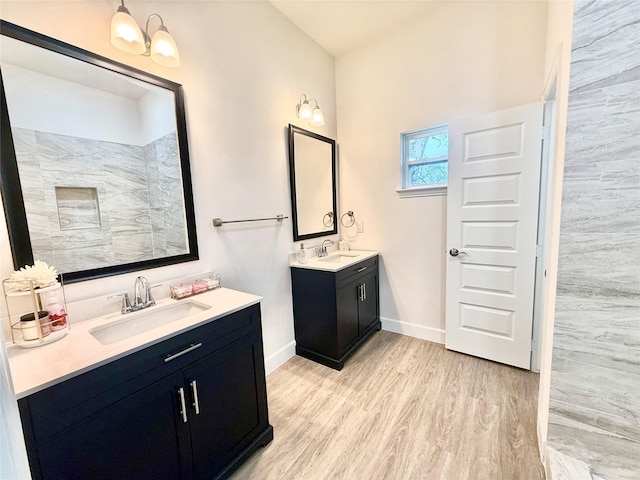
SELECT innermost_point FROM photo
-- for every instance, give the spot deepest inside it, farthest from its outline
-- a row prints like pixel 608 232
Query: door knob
pixel 454 252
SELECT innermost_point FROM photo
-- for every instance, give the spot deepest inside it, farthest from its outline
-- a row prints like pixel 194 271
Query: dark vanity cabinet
pixel 191 407
pixel 335 312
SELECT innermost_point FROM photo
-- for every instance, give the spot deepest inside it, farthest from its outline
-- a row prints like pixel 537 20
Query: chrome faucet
pixel 126 303
pixel 142 294
pixel 323 248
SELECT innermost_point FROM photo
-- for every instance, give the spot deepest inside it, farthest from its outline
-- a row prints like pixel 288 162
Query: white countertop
pixel 34 369
pixel 336 260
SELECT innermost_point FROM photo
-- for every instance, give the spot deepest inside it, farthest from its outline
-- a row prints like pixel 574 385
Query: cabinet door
pixel 140 437
pixel 348 297
pixel 368 305
pixel 231 404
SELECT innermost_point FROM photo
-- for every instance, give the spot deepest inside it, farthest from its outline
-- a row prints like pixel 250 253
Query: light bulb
pixel 304 111
pixel 126 34
pixel 164 49
pixel 317 117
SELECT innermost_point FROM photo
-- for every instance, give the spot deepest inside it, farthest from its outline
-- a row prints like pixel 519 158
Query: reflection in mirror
pixel 102 161
pixel 312 163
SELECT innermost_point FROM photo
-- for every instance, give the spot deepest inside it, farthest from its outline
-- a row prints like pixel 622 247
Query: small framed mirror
pixel 312 174
pixel 94 163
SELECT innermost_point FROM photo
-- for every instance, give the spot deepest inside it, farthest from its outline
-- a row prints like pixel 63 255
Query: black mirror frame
pixel 11 190
pixel 292 179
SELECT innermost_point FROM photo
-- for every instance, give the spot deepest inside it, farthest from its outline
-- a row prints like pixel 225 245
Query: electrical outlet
pixel 360 226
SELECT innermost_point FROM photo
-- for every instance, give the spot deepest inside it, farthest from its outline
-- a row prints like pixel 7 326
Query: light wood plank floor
pixel 401 409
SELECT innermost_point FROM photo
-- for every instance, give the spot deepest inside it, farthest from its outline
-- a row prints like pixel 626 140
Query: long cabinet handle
pixel 183 405
pixel 364 295
pixel 190 348
pixel 196 404
pixel 362 269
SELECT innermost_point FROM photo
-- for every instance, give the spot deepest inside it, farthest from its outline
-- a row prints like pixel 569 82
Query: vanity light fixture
pixel 306 112
pixel 127 36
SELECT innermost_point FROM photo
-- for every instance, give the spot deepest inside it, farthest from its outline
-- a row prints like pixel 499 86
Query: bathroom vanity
pixel 335 305
pixel 185 400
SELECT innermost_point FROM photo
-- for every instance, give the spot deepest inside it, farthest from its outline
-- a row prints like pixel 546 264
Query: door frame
pixel 545 203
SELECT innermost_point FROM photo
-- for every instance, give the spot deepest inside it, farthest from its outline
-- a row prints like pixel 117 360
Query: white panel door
pixel 492 216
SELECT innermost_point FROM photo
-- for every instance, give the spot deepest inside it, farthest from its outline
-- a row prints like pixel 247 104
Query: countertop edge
pixel 314 264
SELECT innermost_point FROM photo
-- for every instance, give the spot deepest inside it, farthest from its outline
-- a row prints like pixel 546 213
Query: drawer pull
pixel 362 269
pixel 191 348
pixel 183 406
pixel 196 403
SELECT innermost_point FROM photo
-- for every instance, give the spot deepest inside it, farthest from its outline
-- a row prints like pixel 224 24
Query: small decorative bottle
pixel 302 254
pixel 57 314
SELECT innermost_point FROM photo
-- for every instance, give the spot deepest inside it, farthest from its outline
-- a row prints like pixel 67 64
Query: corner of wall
pixel 279 357
pixel 557 63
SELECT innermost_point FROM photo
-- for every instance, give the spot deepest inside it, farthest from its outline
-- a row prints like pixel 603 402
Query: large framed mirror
pixel 95 161
pixel 312 174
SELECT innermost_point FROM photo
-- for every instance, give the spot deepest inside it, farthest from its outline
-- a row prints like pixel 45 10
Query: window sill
pixel 422 191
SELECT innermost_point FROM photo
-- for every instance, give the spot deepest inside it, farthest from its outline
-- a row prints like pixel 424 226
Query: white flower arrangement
pixel 41 274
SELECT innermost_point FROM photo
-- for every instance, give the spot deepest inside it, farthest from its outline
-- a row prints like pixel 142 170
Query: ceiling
pixel 339 26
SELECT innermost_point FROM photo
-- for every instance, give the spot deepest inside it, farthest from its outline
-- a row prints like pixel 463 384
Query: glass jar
pixel 29 325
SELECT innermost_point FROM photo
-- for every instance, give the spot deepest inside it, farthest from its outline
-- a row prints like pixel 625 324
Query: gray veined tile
pixel 564 467
pixel 597 399
pixel 600 264
pixel 132 246
pixel 82 251
pixel 124 178
pixel 601 185
pixel 42 248
pixel 607 457
pixel 605 44
pixel 603 121
pixel 599 332
pixel 128 220
pixel 24 142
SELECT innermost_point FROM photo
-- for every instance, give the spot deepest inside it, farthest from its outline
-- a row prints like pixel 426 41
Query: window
pixel 425 161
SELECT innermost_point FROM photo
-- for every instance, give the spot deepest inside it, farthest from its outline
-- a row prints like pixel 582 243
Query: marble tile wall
pixel 165 197
pixel 595 383
pixel 130 223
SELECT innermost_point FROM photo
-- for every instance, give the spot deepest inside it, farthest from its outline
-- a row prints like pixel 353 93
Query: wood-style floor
pixel 401 409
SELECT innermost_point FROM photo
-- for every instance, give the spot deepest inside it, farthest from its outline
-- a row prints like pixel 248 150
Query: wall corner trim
pixel 279 357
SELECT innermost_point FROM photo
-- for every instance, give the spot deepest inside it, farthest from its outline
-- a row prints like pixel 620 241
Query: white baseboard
pixel 545 463
pixel 276 359
pixel 412 330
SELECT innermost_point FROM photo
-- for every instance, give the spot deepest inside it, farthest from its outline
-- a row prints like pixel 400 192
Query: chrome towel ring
pixel 351 223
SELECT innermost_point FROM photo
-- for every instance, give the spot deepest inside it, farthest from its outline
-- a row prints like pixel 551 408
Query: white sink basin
pixel 143 321
pixel 338 257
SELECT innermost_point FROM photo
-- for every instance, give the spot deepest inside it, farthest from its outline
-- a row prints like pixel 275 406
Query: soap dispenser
pixel 57 314
pixel 302 254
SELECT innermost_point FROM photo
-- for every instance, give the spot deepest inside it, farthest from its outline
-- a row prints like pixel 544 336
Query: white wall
pixel 462 59
pixel 244 66
pixel 68 108
pixel 157 114
pixel 557 62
